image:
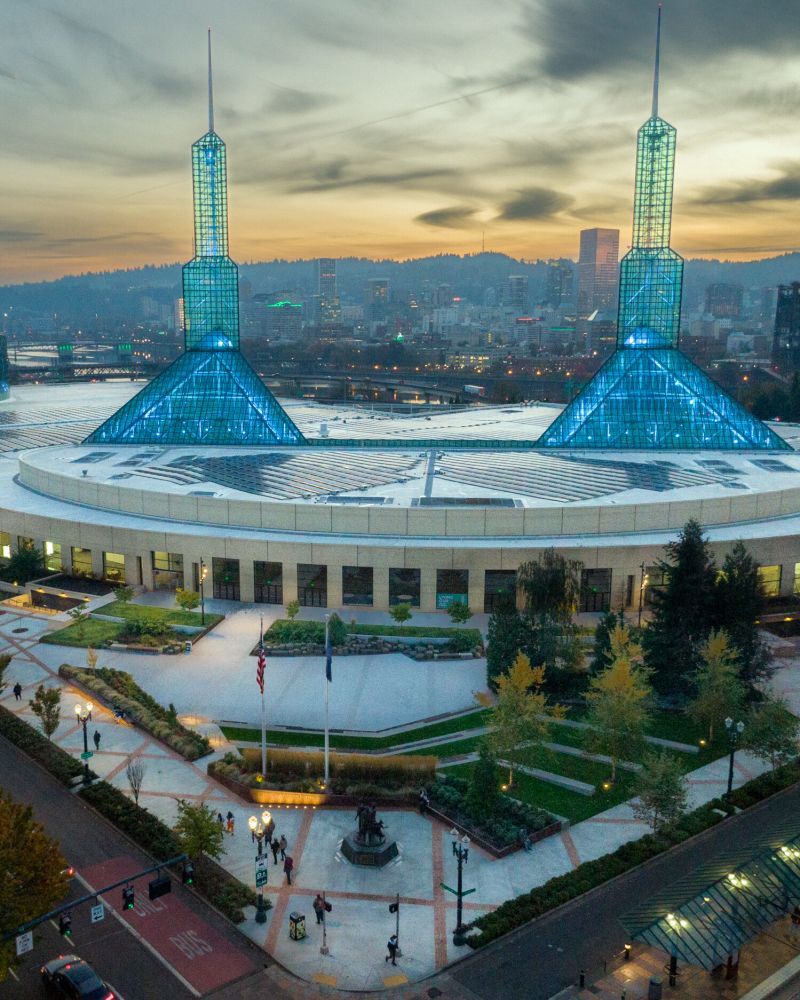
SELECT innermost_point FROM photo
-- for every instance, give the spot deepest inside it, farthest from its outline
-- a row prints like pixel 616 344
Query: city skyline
pixel 522 140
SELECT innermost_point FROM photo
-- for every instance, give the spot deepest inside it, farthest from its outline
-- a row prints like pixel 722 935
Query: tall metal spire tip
pixel 210 88
pixel 658 59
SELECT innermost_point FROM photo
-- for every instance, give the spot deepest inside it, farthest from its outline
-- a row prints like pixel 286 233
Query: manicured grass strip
pixel 168 616
pixel 93 633
pixel 414 631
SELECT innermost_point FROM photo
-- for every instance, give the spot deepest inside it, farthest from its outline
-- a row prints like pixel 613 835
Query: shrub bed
pixel 516 912
pixel 219 887
pixel 116 687
pixel 303 638
pixel 58 762
pixel 500 828
pixel 169 616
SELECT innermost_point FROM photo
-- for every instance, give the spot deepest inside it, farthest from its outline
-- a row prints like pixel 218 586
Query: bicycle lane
pixel 189 946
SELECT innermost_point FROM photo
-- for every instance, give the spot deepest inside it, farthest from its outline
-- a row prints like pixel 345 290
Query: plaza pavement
pixel 360 922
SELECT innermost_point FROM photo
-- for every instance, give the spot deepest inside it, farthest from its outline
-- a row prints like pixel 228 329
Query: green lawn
pixel 170 616
pixel 94 633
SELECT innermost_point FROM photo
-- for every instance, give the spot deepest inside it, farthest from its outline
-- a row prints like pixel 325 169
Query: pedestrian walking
pixel 221 820
pixel 795 927
pixel 391 945
pixel 283 843
pixel 96 739
pixel 229 822
pixel 18 691
pixel 288 866
pixel 275 847
pixel 424 802
pixel 319 908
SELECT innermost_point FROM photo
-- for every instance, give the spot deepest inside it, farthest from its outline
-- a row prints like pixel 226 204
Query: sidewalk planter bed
pixel 170 616
pixel 521 910
pixel 220 888
pixel 303 638
pixel 266 795
pixel 58 762
pixel 75 585
pixel 500 830
pixel 116 687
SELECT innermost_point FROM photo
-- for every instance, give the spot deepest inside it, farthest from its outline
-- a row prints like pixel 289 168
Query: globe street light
pixel 82 715
pixel 735 731
pixel 261 829
pixel 461 852
pixel 202 576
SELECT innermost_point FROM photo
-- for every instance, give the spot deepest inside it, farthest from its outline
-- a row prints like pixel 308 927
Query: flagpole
pixel 327 691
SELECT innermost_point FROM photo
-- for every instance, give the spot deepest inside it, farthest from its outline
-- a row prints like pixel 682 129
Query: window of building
pixel 451 585
pixel 404 587
pixel 114 567
pixel 312 585
pixel 770 579
pixel 81 561
pixel 499 587
pixel 595 589
pixel 225 573
pixel 167 570
pixel 24 543
pixel 357 585
pixel 52 556
pixel 268 582
pixel 5 545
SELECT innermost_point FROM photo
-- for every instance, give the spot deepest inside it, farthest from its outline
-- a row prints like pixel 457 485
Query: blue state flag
pixel 328 655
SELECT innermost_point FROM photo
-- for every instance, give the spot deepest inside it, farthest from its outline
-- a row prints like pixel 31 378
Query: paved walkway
pixel 359 923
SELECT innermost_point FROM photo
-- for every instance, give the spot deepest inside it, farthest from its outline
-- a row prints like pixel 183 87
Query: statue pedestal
pixel 368 855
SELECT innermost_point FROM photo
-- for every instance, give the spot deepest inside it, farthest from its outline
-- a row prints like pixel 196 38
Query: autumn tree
pixel 46 706
pixel 33 879
pixel 719 692
pixel 619 700
pixel 772 732
pixel 522 713
pixel 662 793
pixel 198 830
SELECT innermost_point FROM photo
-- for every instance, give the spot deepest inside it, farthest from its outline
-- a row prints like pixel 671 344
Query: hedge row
pixel 58 762
pixel 345 768
pixel 227 893
pixel 284 631
pixel 516 912
pixel 116 687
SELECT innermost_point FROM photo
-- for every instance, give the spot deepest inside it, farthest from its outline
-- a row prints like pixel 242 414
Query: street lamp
pixel 735 731
pixel 202 577
pixel 461 852
pixel 644 580
pixel 82 715
pixel 261 828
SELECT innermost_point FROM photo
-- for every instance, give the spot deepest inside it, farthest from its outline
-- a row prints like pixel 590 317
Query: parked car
pixel 71 978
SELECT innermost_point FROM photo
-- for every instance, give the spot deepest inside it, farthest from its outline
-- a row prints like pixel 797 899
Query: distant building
pixel 560 283
pixel 376 304
pixel 329 312
pixel 786 343
pixel 724 301
pixel 598 270
pixel 515 293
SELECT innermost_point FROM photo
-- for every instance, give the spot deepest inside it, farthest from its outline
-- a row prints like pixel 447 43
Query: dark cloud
pixel 533 203
pixel 453 217
pixel 288 101
pixel 19 235
pixel 784 187
pixel 337 175
pixel 583 37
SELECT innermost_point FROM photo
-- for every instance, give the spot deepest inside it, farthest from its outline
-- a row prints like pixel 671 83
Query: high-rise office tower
pixel 330 312
pixel 649 395
pixel 724 301
pixel 376 305
pixel 515 293
pixel 598 269
pixel 786 345
pixel 560 283
pixel 210 395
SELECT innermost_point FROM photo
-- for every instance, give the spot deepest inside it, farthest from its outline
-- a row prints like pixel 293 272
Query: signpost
pixel 87 754
pixel 262 870
pixel 98 913
pixel 24 943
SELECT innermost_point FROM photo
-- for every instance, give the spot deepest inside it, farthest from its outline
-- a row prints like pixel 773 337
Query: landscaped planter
pixel 416 649
pixel 497 852
pixel 281 797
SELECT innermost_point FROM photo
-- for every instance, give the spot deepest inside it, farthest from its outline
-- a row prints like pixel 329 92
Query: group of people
pixel 277 844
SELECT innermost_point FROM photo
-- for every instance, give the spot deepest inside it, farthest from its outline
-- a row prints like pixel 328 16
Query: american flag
pixel 262 660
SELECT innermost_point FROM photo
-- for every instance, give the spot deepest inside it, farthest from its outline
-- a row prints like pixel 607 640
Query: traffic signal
pixel 159 886
pixel 127 897
pixel 65 925
pixel 394 907
pixel 187 873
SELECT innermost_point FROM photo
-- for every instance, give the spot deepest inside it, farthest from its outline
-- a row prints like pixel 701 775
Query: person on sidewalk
pixel 18 691
pixel 391 945
pixel 319 908
pixel 288 866
pixel 283 843
pixel 96 739
pixel 275 846
pixel 229 822
pixel 221 821
pixel 424 802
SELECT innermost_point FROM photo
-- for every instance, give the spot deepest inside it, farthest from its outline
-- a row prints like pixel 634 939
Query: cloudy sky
pixel 386 128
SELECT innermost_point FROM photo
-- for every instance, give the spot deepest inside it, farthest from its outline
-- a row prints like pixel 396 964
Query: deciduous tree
pixel 661 790
pixel 459 612
pixel 135 771
pixel 772 731
pixel 188 600
pixel 483 791
pixel 400 613
pixel 123 593
pixel 46 706
pixel 198 830
pixel 292 610
pixel 718 691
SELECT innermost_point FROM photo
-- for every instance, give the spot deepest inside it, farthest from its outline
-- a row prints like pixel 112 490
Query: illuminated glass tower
pixel 210 395
pixel 649 395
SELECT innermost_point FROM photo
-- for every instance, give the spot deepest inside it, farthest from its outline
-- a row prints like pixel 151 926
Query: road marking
pixel 143 941
pixel 12 973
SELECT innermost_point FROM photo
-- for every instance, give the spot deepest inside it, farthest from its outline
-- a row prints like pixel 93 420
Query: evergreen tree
pixel 483 791
pixel 504 640
pixel 682 610
pixel 738 602
pixel 602 638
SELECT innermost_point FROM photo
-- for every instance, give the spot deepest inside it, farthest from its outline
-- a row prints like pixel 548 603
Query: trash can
pixel 654 991
pixel 297 926
pixel 187 647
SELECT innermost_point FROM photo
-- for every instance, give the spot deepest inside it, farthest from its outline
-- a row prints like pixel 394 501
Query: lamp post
pixel 202 577
pixel 82 714
pixel 735 730
pixel 642 587
pixel 261 828
pixel 461 853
